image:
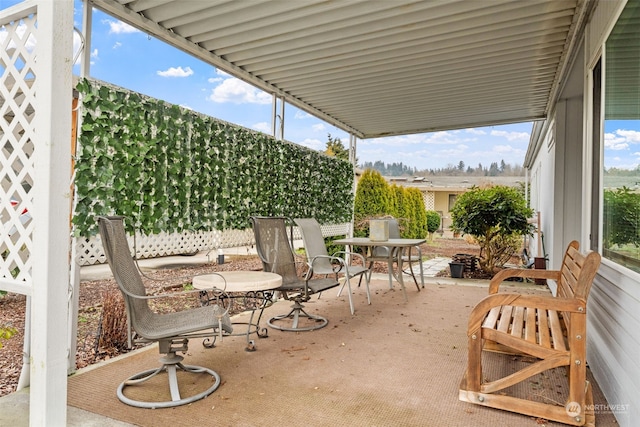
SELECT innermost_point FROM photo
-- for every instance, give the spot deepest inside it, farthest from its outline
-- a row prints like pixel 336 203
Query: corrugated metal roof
pixel 378 68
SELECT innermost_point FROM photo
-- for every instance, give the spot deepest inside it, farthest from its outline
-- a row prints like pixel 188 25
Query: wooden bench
pixel 550 329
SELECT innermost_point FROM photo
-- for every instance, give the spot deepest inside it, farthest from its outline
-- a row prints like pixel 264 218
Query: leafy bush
pixel 433 221
pixel 622 211
pixel 493 216
pixel 6 333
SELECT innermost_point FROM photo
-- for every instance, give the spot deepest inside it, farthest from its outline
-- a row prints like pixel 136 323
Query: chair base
pixel 297 312
pixel 551 412
pixel 171 364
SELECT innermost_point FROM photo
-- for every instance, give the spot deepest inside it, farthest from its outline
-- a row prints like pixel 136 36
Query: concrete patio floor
pixel 392 363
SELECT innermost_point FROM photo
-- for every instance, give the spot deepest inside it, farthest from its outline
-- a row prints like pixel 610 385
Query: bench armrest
pixel 485 305
pixel 520 272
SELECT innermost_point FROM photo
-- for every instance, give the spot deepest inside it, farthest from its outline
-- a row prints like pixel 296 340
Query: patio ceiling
pixel 381 68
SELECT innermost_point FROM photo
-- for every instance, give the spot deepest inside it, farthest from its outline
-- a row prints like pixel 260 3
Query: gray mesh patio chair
pixel 390 256
pixel 274 247
pixel 331 265
pixel 172 331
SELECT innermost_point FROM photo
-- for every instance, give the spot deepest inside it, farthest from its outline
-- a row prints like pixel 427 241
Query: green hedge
pixel 171 169
pixel 375 198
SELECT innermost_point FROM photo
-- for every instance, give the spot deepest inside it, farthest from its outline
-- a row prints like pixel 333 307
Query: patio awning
pixel 380 68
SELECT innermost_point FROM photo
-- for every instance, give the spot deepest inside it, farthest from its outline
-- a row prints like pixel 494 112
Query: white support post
pixel 274 115
pixel 87 23
pixel 352 149
pixel 282 105
pixel 51 236
pixel 352 159
pixel 74 285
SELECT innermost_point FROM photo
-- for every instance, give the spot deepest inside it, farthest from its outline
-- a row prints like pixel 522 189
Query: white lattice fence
pixel 429 200
pixel 17 108
pixel 90 250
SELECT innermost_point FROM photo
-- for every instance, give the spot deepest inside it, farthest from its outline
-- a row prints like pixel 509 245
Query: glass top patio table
pixel 400 244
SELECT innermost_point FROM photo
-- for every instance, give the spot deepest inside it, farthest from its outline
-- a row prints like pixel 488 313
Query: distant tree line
pixel 335 148
pixel 622 172
pixel 400 169
pixel 393 169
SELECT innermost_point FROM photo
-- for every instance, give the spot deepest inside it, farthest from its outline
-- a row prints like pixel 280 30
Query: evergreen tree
pixel 334 148
pixel 373 199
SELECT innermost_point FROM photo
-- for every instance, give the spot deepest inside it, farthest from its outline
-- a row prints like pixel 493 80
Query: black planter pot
pixel 456 268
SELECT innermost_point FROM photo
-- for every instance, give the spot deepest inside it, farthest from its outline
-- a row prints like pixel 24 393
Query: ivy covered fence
pixel 172 170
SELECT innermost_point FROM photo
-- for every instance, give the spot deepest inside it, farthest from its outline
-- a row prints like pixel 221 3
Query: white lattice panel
pixel 90 250
pixel 429 198
pixel 17 108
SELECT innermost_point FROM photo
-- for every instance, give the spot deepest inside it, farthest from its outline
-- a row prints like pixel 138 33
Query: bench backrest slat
pixel 577 273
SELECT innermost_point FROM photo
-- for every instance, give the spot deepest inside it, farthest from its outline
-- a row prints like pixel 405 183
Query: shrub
pixel 377 199
pixel 373 200
pixel 6 333
pixel 494 216
pixel 622 210
pixel 113 322
pixel 433 221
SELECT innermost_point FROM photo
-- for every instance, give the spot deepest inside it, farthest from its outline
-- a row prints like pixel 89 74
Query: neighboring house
pixel 585 132
pixel 440 192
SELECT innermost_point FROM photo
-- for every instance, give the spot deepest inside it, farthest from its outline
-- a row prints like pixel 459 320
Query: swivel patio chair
pixel 172 331
pixel 331 265
pixel 275 248
pixel 390 256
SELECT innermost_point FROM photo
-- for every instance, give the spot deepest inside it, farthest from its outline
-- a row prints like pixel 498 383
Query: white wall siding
pixel 614 339
pixel 600 24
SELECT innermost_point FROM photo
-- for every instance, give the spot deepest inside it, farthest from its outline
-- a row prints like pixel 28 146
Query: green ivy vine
pixel 171 169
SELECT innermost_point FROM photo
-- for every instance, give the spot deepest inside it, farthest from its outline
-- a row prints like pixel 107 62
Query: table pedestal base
pixel 250 301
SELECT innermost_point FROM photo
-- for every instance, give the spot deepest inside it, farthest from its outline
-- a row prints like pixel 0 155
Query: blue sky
pixel 129 58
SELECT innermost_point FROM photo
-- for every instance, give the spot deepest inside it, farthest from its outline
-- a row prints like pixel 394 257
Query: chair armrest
pixel 167 295
pixel 520 272
pixel 337 263
pixel 479 312
pixel 349 253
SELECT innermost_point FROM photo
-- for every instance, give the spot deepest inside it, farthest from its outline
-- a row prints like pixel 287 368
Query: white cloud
pixel 262 127
pixel 504 149
pixel 631 136
pixel 613 142
pixel 238 92
pixel 116 45
pixel 475 131
pixel 176 72
pixel 117 27
pixel 436 138
pixel 314 144
pixel 318 127
pixel 511 136
pixel 215 79
pixel 302 115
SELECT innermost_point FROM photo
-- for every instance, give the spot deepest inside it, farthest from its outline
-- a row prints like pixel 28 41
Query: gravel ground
pixel 92 295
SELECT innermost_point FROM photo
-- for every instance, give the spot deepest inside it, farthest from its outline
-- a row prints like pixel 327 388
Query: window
pixel 621 154
pixel 452 200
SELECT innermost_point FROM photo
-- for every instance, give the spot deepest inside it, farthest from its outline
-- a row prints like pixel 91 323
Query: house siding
pixel 613 339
